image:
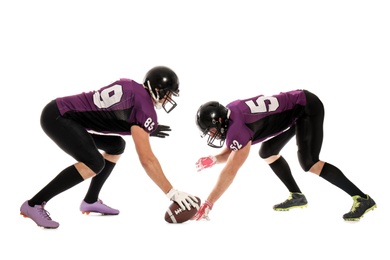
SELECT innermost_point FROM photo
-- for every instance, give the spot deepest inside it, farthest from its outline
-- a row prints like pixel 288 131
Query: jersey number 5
pixel 263 104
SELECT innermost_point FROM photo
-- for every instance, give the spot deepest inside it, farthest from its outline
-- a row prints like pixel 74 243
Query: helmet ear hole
pixel 161 93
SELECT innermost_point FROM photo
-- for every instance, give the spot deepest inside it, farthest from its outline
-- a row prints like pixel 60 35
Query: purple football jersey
pixel 112 109
pixel 262 117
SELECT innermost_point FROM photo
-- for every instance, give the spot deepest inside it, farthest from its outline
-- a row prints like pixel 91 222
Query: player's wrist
pixel 213 159
pixel 171 193
pixel 209 204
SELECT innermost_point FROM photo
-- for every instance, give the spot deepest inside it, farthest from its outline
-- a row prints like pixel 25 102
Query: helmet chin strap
pixel 156 100
pixel 157 105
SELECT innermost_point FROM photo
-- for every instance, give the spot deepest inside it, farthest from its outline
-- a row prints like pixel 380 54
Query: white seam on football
pixel 171 215
pixel 178 211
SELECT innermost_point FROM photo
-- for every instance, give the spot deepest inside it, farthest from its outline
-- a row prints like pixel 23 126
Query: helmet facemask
pixel 216 136
pixel 162 98
pixel 168 103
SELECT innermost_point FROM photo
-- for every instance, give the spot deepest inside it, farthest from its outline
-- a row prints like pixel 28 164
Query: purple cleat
pixel 97 207
pixel 38 214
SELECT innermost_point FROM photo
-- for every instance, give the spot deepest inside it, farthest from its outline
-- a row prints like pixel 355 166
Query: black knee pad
pixel 96 164
pixel 117 146
pixel 111 144
pixel 306 167
pixel 305 164
pixel 266 152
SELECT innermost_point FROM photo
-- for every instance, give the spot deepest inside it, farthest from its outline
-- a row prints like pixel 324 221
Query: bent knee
pixel 117 147
pixel 271 159
pixel 96 165
pixel 313 167
pixel 317 167
pixel 306 165
pixel 266 152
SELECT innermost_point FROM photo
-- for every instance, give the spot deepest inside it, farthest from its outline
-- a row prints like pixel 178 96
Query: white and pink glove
pixel 203 211
pixel 205 162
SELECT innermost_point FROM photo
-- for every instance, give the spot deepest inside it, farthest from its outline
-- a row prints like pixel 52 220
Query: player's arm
pixel 234 162
pixel 223 155
pixel 153 168
pixel 147 158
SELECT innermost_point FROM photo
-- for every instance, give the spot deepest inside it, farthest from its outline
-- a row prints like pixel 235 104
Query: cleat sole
pixel 25 216
pixel 357 219
pixel 105 214
pixel 293 207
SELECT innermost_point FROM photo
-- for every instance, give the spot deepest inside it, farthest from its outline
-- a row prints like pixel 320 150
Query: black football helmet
pixel 212 119
pixel 162 83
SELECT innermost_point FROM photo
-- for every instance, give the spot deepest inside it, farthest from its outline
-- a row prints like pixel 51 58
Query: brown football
pixel 176 215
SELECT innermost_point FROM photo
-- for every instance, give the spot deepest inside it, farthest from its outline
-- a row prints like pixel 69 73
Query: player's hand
pixel 161 131
pixel 205 162
pixel 203 211
pixel 185 200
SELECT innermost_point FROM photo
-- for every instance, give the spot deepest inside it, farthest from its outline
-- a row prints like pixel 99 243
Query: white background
pixel 221 50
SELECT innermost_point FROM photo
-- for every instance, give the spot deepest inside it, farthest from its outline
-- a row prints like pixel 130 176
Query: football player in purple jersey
pixel 89 127
pixel 272 121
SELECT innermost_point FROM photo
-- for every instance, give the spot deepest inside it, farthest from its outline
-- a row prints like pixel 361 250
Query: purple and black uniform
pixel 274 120
pixel 83 124
pixel 112 109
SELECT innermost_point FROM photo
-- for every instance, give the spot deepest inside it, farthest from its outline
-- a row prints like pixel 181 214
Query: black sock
pixel 282 170
pixel 97 182
pixel 333 175
pixel 66 179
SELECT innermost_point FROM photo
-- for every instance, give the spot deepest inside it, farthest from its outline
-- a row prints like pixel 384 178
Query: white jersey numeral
pixel 149 124
pixel 235 145
pixel 108 97
pixel 263 104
